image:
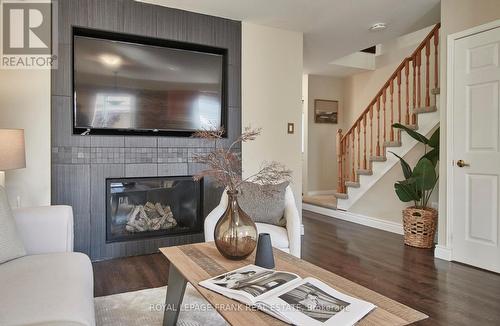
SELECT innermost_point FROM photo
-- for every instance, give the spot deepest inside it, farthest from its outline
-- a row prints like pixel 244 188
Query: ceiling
pixel 332 28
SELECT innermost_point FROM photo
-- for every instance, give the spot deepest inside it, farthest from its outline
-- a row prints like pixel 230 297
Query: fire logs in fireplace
pixel 150 217
pixel 139 208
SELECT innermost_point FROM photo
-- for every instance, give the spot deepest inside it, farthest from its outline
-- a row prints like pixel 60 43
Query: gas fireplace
pixel 140 208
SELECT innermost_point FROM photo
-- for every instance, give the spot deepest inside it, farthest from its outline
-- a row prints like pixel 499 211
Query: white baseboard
pixel 356 218
pixel 442 252
pixel 320 192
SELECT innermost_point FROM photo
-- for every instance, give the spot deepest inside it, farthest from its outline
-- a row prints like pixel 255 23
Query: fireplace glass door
pixel 152 207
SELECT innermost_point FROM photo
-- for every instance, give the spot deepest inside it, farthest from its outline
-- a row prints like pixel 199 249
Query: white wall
pixel 383 192
pixel 271 97
pixel 25 104
pixel 322 153
pixel 456 16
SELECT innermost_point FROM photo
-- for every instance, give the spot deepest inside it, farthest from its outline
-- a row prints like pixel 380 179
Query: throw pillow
pixel 11 245
pixel 264 204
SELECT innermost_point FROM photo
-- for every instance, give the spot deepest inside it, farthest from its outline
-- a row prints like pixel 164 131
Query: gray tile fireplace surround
pixel 81 164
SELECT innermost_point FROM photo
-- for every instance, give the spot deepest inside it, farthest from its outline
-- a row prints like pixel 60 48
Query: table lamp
pixel 12 154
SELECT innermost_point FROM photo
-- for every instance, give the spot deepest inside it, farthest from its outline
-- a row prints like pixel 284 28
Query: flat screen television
pixel 125 84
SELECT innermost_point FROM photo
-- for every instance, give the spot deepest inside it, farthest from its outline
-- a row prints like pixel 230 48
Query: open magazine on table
pixel 288 297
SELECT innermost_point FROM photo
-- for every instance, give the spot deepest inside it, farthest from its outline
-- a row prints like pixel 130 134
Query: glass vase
pixel 235 233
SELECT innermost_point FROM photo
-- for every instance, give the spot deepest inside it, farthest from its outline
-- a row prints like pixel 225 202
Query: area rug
pixel 145 308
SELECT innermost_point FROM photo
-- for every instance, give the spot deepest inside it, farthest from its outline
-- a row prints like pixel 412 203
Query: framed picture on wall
pixel 326 111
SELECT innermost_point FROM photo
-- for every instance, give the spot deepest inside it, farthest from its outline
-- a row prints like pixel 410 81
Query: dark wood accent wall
pixel 80 164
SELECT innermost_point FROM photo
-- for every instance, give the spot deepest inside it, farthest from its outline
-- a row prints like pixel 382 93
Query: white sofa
pixel 51 285
pixel 286 239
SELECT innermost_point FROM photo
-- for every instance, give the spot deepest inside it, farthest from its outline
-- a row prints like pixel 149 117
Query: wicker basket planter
pixel 419 226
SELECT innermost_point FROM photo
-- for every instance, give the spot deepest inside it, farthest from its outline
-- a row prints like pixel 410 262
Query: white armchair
pixel 284 238
pixel 53 283
pixel 46 229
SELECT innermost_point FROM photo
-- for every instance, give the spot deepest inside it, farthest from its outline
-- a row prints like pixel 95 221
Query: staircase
pixel 408 97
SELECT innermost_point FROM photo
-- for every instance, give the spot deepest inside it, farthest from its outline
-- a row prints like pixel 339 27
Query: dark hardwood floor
pixel 130 274
pixel 450 293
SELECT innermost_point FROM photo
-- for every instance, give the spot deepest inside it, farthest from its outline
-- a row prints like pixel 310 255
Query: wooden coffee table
pixel 197 262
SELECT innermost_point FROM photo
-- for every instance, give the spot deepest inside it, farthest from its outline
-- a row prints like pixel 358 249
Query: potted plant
pixel 419 220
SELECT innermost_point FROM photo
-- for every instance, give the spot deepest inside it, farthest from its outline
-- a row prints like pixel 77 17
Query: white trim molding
pixel 441 252
pixel 373 222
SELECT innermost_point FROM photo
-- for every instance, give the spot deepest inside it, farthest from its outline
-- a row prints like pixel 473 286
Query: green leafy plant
pixel 420 181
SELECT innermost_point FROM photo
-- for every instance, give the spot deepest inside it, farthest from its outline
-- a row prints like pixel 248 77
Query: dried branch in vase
pixel 224 164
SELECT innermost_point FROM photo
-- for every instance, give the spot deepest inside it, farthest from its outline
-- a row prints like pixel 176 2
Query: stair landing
pixel 326 201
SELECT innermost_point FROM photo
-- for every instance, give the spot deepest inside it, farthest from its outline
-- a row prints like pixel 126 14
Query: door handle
pixel 461 163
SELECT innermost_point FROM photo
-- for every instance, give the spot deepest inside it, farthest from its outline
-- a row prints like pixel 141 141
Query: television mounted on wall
pixel 133 85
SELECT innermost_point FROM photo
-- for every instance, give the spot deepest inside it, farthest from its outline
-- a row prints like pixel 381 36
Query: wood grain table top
pixel 198 262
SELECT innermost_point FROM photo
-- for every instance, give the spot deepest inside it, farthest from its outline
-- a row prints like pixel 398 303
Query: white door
pixel 476 142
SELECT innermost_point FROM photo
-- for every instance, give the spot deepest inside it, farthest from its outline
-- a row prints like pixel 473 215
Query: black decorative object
pixel 264 256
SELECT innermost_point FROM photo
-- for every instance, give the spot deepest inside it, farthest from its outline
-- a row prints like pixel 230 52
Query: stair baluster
pixel 398 78
pixel 384 99
pixel 377 151
pixel 391 91
pixel 419 81
pixel 353 176
pixel 347 157
pixel 359 145
pixel 364 143
pixel 345 147
pixel 414 86
pixel 427 72
pixel 407 95
pixel 340 187
pixel 371 130
pixel 436 59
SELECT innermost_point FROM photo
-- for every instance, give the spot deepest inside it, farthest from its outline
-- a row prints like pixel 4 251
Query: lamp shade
pixel 12 155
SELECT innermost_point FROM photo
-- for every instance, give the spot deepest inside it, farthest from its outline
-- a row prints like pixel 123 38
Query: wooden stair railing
pixel 351 157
